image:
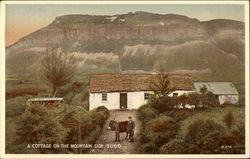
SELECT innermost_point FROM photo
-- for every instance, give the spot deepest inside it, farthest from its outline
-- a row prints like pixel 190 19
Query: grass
pixel 216 114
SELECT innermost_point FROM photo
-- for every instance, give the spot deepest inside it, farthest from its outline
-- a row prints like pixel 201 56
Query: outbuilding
pixel 225 91
pixel 130 91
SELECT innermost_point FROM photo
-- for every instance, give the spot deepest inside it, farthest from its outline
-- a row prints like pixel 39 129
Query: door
pixel 123 101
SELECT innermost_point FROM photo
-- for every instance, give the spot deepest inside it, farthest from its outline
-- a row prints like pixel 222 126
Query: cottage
pixel 130 91
pixel 224 91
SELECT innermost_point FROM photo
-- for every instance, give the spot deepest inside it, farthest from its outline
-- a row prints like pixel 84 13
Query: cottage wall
pixel 134 99
pixel 181 92
pixel 234 99
pixel 113 100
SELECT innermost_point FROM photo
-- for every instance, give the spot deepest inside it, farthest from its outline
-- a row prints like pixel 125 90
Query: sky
pixel 23 19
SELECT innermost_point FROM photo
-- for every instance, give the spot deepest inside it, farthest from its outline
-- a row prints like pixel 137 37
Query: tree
pixel 194 99
pixel 161 83
pixel 207 98
pixel 58 68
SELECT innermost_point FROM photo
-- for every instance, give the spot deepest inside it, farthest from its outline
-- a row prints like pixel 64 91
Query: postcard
pixel 124 79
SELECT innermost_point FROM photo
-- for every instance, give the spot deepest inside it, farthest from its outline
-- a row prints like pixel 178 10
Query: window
pixel 104 96
pixel 175 94
pixel 146 96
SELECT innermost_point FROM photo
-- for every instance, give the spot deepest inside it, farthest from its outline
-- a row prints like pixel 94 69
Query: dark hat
pixel 130 117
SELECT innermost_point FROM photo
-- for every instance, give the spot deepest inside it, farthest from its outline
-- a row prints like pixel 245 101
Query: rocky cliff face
pixel 136 41
pixel 132 28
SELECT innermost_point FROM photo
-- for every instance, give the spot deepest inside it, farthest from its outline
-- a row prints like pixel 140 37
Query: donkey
pixel 119 127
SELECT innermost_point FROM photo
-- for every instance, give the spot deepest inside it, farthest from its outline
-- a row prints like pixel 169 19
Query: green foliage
pixel 145 113
pixel 15 106
pixel 41 125
pixel 157 132
pixel 193 99
pixel 207 137
pixel 204 137
pixel 90 123
pixel 209 100
pixel 162 124
pixel 174 146
pixel 179 114
pixel 162 103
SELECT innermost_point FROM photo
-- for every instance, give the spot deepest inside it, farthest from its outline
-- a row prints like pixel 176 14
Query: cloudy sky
pixel 22 19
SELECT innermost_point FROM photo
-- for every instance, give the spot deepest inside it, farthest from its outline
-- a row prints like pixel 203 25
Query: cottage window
pixel 146 96
pixel 175 94
pixel 104 96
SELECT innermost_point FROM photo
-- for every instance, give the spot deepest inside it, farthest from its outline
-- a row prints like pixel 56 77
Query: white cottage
pixel 130 91
pixel 224 91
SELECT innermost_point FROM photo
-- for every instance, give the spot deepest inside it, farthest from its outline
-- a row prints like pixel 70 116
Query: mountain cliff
pixel 136 41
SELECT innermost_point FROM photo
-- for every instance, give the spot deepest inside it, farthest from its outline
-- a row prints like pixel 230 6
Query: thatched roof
pixel 135 82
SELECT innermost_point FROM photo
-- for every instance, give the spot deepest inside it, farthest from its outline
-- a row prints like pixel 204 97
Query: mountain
pixel 136 42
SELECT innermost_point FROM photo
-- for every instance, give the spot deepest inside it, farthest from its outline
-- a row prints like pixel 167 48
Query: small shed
pixel 48 102
pixel 224 91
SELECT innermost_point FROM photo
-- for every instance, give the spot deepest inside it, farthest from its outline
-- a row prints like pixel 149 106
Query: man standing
pixel 131 127
pixel 117 131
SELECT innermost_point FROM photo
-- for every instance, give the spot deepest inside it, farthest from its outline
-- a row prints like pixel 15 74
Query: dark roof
pixel 135 82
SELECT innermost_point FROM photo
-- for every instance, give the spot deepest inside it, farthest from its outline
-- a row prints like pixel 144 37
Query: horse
pixel 122 127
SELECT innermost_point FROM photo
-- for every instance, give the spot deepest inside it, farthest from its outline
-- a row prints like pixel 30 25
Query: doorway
pixel 123 101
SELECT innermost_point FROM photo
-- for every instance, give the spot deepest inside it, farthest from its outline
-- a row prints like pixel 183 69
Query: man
pixel 130 129
pixel 117 131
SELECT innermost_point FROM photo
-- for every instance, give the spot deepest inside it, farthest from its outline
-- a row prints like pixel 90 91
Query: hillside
pixel 137 42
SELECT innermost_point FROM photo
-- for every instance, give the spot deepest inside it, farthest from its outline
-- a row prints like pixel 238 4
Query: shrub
pixel 193 99
pixel 145 113
pixel 229 119
pixel 182 100
pixel 227 103
pixel 41 125
pixel 97 118
pixel 103 110
pixel 175 146
pixel 204 137
pixel 15 106
pixel 157 132
pixel 162 103
pixel 179 114
pixel 162 124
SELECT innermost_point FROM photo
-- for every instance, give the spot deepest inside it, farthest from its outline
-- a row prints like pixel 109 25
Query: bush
pixel 229 119
pixel 145 113
pixel 204 137
pixel 179 114
pixel 162 124
pixel 193 99
pixel 162 103
pixel 157 132
pixel 15 106
pixel 175 146
pixel 101 110
pixel 41 125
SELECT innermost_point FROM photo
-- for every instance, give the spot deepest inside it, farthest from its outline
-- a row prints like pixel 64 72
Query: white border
pixel 2 82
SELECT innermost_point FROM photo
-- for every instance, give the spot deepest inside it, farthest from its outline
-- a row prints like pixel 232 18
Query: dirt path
pixel 108 137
